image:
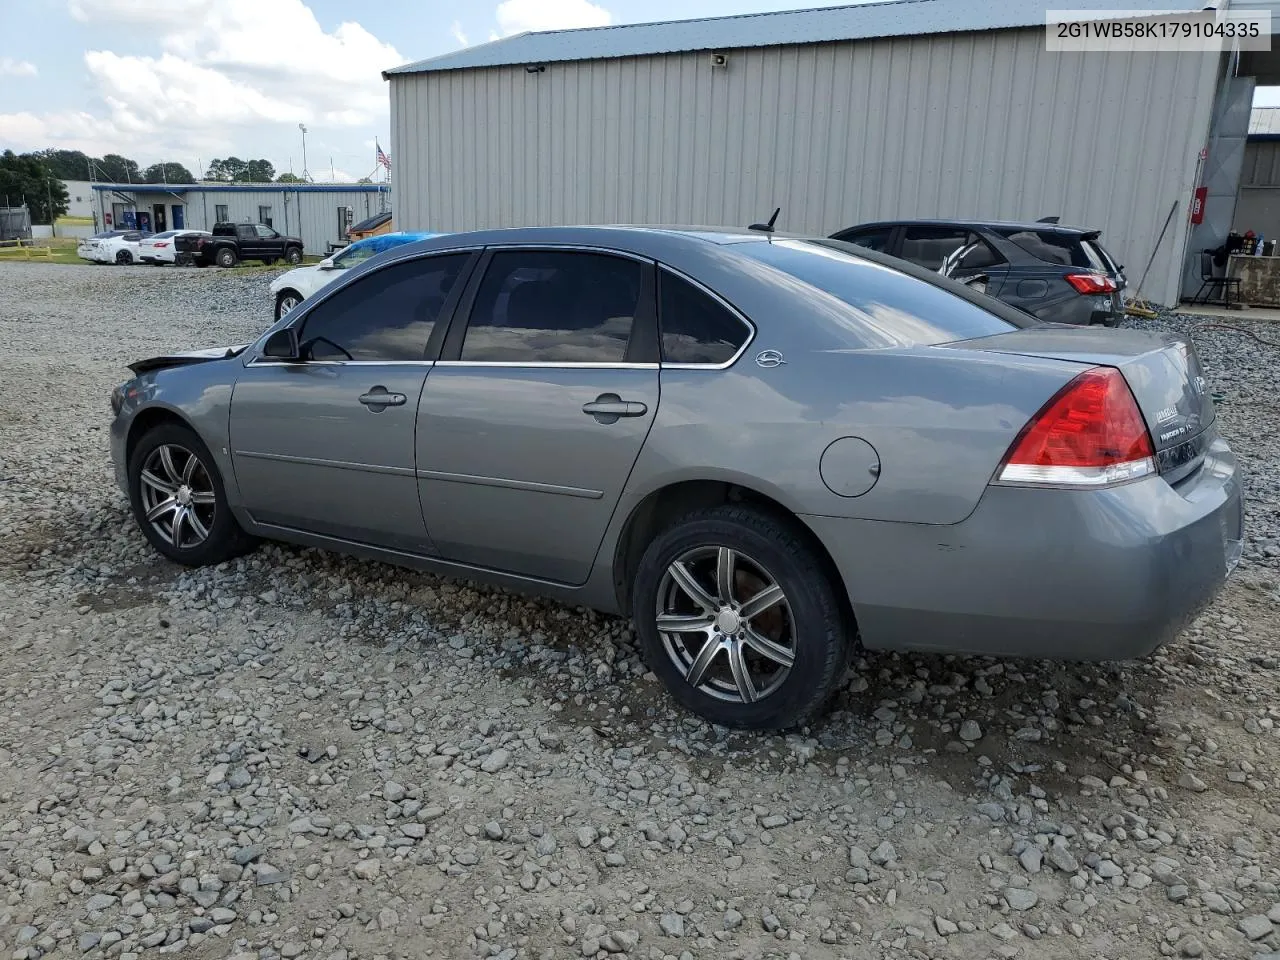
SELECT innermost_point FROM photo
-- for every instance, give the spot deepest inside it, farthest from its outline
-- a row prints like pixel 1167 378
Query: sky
pixel 191 80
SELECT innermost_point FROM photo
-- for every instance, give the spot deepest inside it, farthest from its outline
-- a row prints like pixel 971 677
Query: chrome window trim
pixel 742 318
pixel 549 364
pixel 261 362
pixel 529 246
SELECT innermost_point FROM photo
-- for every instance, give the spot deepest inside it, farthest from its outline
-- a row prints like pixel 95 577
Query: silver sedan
pixel 765 450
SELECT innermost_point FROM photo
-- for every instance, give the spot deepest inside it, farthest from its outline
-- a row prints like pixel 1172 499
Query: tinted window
pixel 165 235
pixel 877 238
pixel 387 315
pixel 930 246
pixel 539 306
pixel 887 307
pixel 1051 247
pixel 266 233
pixel 695 327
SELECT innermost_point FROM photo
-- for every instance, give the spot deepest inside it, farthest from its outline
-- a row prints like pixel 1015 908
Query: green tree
pixel 27 179
pixel 118 169
pixel 167 173
pixel 70 164
pixel 289 178
pixel 232 168
pixel 260 171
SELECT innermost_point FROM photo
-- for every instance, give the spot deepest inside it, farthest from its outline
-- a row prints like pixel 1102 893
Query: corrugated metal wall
pixel 1261 164
pixel 982 125
pixel 307 214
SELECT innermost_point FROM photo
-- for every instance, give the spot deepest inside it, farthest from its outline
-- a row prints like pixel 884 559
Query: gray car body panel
pixel 536 496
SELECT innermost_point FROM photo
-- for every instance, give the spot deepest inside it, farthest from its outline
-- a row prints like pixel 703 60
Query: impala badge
pixel 769 358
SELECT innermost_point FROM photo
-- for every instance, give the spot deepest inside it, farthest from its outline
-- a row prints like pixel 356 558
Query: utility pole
pixel 305 175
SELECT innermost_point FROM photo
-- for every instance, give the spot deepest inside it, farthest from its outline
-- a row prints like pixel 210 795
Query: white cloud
pixel 230 76
pixel 459 34
pixel 517 16
pixel 16 68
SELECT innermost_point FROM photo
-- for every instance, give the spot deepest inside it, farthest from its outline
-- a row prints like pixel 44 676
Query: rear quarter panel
pixel 940 421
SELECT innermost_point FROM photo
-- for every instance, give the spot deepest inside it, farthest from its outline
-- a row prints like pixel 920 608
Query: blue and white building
pixel 318 213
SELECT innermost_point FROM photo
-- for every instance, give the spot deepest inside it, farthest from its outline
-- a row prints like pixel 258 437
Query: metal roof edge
pixel 244 187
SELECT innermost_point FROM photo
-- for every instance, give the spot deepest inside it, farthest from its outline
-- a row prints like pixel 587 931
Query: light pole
pixel 303 128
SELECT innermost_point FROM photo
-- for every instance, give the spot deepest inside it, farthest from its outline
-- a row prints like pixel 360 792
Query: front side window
pixel 696 328
pixel 541 306
pixel 265 233
pixel 385 316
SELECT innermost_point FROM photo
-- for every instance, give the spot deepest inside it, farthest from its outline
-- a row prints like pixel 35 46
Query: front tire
pixel 739 617
pixel 226 257
pixel 179 500
pixel 293 256
pixel 286 301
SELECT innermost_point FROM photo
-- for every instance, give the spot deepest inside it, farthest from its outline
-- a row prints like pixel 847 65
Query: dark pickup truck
pixel 229 243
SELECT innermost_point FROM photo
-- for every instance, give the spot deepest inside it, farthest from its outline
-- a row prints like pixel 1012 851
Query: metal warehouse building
pixel 915 108
pixel 318 213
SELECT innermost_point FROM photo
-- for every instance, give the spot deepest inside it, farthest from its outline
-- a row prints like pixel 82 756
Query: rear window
pixel 892 306
pixel 165 236
pixel 1067 250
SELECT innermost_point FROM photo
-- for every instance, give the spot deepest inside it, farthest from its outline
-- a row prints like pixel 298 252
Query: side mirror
pixel 282 345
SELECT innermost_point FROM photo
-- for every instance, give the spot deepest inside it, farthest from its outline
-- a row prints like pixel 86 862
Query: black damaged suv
pixel 1059 274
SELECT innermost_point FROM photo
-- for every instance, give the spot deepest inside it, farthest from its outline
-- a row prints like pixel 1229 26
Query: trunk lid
pixel 1162 369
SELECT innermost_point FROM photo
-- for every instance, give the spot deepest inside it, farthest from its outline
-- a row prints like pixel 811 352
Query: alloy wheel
pixel 726 624
pixel 177 496
pixel 287 303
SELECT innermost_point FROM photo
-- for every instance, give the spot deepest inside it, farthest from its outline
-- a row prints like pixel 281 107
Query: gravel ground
pixel 298 754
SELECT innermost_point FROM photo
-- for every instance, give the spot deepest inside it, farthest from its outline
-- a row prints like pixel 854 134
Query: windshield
pixel 358 253
pixel 891 305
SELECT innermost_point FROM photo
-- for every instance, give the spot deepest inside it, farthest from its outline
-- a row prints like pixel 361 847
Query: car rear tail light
pixel 1090 434
pixel 162 243
pixel 1091 283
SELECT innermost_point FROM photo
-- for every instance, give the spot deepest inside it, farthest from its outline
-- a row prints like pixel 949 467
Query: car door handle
pixel 608 407
pixel 378 399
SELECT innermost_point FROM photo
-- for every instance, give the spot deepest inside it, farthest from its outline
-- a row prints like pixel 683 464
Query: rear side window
pixel 873 238
pixel 1066 250
pixel 387 315
pixel 888 307
pixel 696 328
pixel 544 306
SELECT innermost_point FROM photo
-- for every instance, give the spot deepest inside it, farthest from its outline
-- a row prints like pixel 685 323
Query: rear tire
pixel 174 485
pixel 793 649
pixel 226 257
pixel 124 258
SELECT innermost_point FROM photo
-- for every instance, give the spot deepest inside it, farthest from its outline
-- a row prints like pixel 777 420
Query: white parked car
pixel 159 249
pixel 111 246
pixel 291 288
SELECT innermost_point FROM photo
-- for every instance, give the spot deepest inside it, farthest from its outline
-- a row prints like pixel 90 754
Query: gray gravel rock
pixel 301 754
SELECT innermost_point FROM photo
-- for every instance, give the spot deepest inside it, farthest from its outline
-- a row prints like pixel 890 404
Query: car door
pixel 534 416
pixel 247 241
pixel 268 241
pixel 326 444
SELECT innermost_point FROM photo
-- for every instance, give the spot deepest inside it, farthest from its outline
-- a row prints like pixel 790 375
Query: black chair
pixel 1211 282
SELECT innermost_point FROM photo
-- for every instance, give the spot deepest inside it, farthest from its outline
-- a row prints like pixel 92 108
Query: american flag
pixel 383 159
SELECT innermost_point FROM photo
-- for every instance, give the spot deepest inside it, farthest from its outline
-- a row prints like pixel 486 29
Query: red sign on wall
pixel 1197 204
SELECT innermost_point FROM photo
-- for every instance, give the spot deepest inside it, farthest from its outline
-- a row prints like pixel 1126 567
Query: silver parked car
pixel 763 449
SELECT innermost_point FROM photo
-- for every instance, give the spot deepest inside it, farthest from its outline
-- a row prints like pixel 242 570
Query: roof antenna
pixel 767 227
pixel 1048 220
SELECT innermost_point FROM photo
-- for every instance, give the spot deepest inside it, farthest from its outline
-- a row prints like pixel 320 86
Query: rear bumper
pixel 1088 575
